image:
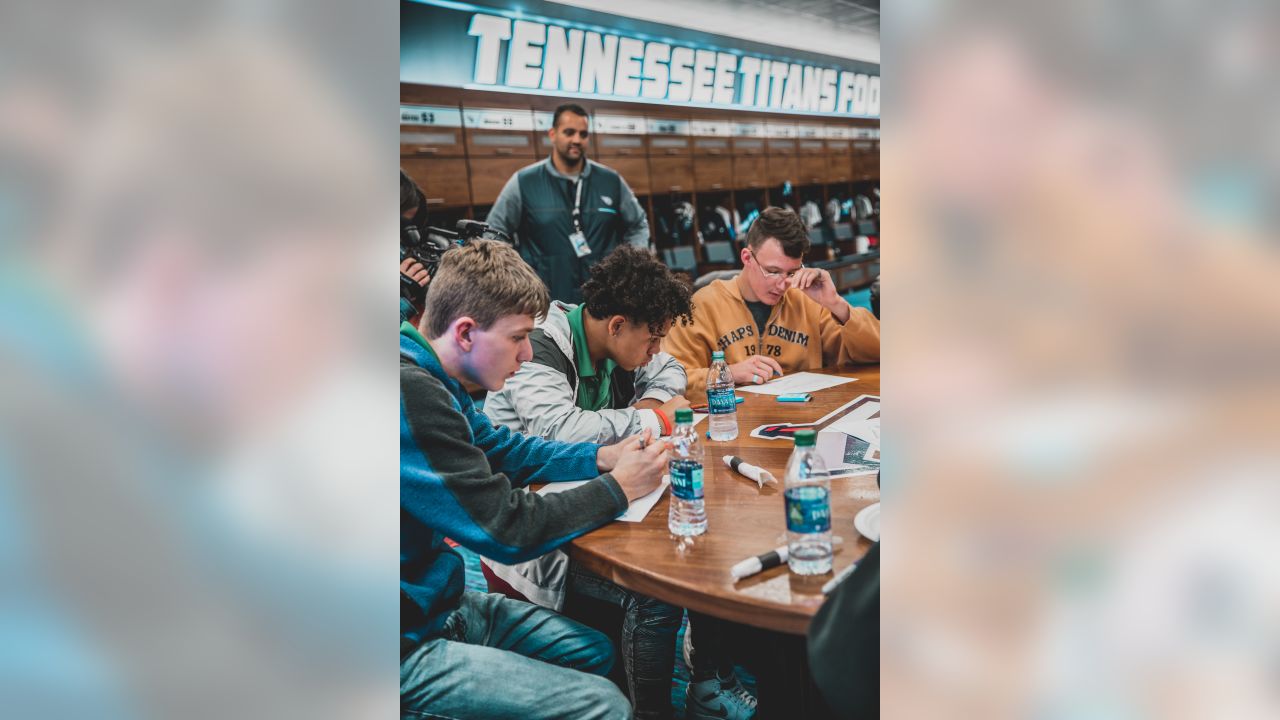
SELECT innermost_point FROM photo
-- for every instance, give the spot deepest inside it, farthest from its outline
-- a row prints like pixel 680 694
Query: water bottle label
pixel 686 481
pixel 721 401
pixel 808 510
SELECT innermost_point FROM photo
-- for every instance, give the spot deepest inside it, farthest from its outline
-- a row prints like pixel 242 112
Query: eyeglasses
pixel 774 274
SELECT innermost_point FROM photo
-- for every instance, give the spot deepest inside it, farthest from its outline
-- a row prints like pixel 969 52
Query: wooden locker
pixel 443 181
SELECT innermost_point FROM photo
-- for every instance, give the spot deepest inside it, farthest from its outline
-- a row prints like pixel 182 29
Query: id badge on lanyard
pixel 577 238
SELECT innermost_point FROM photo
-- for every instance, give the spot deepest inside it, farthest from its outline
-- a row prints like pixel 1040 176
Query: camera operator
pixel 413 275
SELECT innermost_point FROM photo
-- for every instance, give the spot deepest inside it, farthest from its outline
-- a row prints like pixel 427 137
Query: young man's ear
pixel 462 330
pixel 743 255
pixel 615 325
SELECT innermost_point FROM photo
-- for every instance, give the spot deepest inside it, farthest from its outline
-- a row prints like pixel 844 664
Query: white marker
pixel 759 474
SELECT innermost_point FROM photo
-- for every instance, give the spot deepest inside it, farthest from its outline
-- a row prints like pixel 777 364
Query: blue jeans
pixel 502 658
pixel 649 629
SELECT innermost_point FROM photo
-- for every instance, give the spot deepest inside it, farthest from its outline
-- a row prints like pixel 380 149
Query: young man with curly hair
pixel 597 375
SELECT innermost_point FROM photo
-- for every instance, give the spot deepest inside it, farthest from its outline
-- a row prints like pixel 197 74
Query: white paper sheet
pixel 863 421
pixel 796 383
pixel 868 430
pixel 635 512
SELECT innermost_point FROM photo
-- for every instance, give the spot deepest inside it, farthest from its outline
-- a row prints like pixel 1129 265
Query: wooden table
pixel 742 521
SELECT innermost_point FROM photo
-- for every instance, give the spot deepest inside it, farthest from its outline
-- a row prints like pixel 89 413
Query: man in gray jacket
pixel 566 212
pixel 598 374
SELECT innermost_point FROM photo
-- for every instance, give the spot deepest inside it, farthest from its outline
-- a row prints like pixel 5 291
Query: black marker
pixel 773 558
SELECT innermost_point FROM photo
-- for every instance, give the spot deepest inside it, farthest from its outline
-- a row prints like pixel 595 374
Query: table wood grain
pixel 742 521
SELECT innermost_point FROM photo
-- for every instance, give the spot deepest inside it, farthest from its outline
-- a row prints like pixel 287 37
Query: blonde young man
pixel 776 316
pixel 477 655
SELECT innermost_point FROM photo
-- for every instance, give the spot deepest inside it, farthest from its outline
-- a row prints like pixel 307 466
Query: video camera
pixel 431 249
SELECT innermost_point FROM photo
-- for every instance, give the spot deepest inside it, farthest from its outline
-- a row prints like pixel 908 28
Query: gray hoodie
pixel 542 400
pixel 542 397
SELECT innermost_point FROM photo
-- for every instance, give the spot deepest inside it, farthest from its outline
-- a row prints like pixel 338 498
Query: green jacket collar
pixel 412 333
pixel 580 351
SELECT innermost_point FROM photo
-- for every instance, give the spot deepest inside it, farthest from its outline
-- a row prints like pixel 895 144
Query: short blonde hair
pixel 484 280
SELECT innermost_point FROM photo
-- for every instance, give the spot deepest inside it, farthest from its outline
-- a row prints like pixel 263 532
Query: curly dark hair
pixel 632 283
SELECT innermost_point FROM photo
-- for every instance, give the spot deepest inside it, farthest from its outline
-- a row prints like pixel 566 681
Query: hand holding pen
pixel 755 370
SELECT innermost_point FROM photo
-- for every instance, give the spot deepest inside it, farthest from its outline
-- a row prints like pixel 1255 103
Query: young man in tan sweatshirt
pixel 776 316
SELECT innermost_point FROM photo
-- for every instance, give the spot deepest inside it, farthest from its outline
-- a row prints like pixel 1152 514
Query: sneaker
pixel 721 699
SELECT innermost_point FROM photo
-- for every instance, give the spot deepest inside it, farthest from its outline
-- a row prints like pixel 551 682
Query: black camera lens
pixel 409 234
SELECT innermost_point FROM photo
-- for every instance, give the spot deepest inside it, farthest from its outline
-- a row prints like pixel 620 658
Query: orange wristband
pixel 666 422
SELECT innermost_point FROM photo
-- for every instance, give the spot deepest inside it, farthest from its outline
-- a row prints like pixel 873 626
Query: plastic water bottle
pixel 688 516
pixel 721 402
pixel 807 493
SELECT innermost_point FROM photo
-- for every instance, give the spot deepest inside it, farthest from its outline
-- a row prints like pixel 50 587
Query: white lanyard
pixel 577 204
